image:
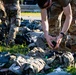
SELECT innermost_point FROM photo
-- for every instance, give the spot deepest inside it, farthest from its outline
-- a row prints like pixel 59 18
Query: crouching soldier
pixel 52 10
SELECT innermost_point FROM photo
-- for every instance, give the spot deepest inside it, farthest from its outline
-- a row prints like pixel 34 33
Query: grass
pixel 37 14
pixel 22 49
pixel 72 70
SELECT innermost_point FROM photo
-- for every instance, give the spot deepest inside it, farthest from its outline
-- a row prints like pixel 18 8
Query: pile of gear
pixel 34 62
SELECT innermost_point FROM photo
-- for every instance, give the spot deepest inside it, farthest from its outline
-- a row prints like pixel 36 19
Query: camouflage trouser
pixel 14 22
pixel 56 20
pixel 13 19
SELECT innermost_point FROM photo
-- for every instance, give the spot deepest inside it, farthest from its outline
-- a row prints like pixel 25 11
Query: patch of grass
pixel 31 14
pixel 72 70
pixel 22 49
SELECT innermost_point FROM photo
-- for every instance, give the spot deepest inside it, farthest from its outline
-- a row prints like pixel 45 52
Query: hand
pixel 49 40
pixel 58 41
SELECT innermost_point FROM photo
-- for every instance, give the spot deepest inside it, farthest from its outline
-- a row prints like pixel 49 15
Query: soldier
pixel 13 12
pixel 52 10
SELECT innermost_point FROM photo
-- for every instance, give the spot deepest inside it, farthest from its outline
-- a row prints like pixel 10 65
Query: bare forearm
pixel 45 28
pixel 66 24
pixel 45 24
pixel 68 13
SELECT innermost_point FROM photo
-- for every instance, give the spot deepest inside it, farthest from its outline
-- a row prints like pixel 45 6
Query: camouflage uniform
pixel 12 9
pixel 56 18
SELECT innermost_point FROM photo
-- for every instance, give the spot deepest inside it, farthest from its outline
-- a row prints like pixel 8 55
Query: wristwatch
pixel 62 34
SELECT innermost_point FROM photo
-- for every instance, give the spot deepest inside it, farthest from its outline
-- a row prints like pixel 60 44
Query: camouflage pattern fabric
pixel 27 62
pixel 54 16
pixel 12 9
pixel 37 52
pixel 68 59
pixel 64 60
